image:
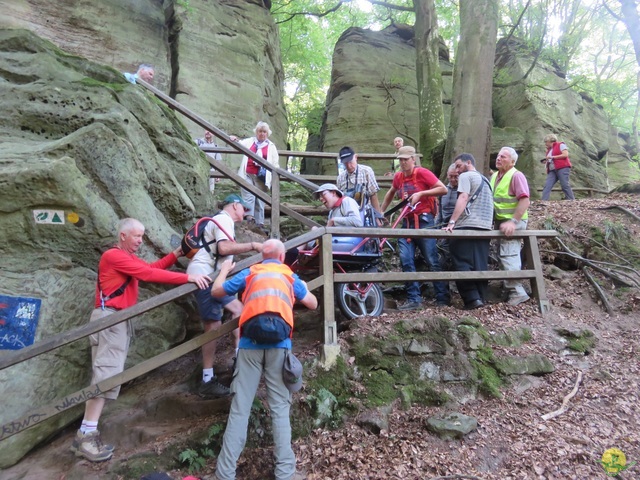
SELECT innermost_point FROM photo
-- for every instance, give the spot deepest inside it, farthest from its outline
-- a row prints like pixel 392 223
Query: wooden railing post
pixel 330 349
pixel 534 262
pixel 275 205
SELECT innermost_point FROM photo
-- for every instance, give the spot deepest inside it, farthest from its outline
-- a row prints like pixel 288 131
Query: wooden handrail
pixel 327 279
pixel 64 338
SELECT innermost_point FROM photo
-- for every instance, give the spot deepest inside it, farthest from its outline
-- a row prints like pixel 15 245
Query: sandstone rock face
pixel 544 104
pixel 372 99
pixel 373 95
pixel 221 59
pixel 76 137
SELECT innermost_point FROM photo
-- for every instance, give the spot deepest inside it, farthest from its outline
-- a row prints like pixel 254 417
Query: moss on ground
pixel 583 343
pixel 489 379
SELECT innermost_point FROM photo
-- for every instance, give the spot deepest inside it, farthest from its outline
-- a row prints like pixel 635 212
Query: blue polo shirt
pixel 239 281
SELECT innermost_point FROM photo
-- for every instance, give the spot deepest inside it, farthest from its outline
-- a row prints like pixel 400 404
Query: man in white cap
pixel 343 211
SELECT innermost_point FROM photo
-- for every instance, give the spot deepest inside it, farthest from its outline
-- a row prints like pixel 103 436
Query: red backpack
pixel 194 240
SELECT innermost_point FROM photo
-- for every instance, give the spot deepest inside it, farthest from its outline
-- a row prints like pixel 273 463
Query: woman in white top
pixel 250 170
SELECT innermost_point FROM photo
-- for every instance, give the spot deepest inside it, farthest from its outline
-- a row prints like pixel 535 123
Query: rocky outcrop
pixel 221 59
pixel 76 138
pixel 372 98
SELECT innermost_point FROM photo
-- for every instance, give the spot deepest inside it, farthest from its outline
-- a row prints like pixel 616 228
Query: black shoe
pixel 442 303
pixel 213 389
pixel 473 305
pixel 410 306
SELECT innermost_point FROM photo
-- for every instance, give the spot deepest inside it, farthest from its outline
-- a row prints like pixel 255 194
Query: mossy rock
pixel 583 341
pixel 473 338
pixel 536 364
pixel 451 425
pixel 512 337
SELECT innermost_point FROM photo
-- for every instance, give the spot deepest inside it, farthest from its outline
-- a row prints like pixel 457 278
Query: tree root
pixel 565 401
pixel 598 290
pixel 625 210
pixel 615 276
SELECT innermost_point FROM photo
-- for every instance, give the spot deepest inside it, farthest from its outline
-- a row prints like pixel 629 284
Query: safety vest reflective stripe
pixel 504 205
pixel 270 292
pixel 269 289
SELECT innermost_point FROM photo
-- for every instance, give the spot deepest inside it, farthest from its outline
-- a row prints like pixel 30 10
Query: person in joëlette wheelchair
pixel 349 254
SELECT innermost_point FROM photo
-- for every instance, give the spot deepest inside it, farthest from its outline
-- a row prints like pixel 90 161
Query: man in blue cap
pixel 221 231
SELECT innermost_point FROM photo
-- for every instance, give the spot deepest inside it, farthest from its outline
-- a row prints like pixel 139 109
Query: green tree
pixel 429 80
pixel 471 118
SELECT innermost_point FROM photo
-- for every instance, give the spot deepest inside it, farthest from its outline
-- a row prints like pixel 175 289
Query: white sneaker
pixel 518 299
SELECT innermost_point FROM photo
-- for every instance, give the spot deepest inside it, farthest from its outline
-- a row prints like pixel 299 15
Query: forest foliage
pixel 586 41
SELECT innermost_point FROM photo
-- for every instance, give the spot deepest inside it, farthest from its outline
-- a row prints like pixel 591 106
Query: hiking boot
pixel 90 447
pixel 410 306
pixel 517 299
pixel 213 389
pixel 76 443
pixel 473 304
pixel 299 476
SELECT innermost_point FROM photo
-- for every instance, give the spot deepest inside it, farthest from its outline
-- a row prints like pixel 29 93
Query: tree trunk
pixel 631 19
pixel 429 81
pixel 471 119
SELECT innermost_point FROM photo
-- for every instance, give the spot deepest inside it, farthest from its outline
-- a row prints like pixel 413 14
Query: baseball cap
pixel 234 198
pixel 292 372
pixel 406 152
pixel 346 154
pixel 326 186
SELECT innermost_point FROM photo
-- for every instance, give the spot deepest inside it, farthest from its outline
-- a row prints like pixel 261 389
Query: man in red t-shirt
pixel 421 187
pixel 119 271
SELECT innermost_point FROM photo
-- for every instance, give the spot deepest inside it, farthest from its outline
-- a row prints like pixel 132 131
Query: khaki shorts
pixel 109 350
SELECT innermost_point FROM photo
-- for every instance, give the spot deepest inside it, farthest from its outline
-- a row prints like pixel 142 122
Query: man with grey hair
pixel 145 72
pixel 119 272
pixel 266 331
pixel 510 202
pixel 473 211
pixel 208 141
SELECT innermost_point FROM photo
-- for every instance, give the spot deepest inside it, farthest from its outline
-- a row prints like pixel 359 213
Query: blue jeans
pixel 429 249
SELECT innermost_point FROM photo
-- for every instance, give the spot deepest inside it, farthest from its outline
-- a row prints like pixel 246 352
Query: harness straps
pixel 104 298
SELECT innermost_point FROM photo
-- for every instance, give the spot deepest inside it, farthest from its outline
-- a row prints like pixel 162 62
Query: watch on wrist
pixel 452 222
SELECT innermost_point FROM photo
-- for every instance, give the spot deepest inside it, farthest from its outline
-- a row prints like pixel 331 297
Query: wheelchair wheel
pixel 359 299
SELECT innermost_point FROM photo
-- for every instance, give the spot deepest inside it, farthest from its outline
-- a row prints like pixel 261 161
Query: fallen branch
pixel 468 477
pixel 613 275
pixel 565 401
pixel 598 290
pixel 625 210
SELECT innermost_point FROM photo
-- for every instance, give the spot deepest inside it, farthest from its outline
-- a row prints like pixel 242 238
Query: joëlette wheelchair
pixel 351 254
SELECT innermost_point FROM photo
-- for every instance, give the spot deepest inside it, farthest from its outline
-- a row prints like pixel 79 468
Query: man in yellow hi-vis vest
pixel 510 204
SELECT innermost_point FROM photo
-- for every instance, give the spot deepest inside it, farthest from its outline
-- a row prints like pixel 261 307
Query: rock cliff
pixel 372 99
pixel 77 139
pixel 219 58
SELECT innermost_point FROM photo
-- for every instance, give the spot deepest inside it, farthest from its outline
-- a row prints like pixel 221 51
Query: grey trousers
pixel 509 259
pixel 554 176
pixel 256 206
pixel 250 366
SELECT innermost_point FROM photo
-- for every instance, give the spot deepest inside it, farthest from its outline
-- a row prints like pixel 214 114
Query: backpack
pixel 194 240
